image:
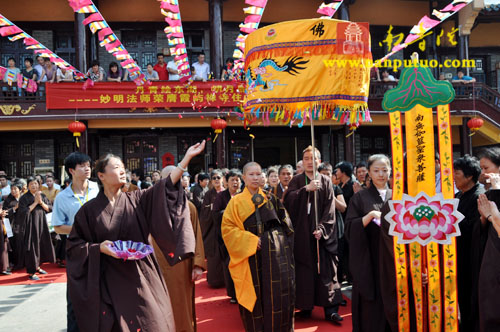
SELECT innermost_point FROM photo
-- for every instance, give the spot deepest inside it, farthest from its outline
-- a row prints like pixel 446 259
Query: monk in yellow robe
pixel 180 278
pixel 259 239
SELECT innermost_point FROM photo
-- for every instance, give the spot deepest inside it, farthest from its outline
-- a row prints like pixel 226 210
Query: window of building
pixel 195 43
pixel 14 50
pixel 18 159
pixel 65 45
pixel 141 45
pixel 142 153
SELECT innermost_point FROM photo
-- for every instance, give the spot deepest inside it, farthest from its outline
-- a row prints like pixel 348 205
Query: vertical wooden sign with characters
pixel 423 223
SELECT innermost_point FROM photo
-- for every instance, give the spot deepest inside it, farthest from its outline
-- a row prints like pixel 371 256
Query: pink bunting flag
pixel 29 41
pixel 258 3
pixel 326 11
pixel 127 62
pixel 112 45
pixel 3 70
pixel 253 19
pixel 103 33
pixel 454 8
pixel 169 7
pixel 172 22
pixel 428 23
pixel 92 18
pixel 10 30
pixel 77 4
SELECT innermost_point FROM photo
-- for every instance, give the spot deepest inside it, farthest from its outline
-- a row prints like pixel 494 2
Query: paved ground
pixel 42 307
pixel 29 308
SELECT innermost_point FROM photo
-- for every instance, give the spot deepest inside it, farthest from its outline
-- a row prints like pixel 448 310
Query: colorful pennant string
pixel 175 35
pixel 425 24
pixel 328 10
pixel 251 23
pixel 13 32
pixel 107 38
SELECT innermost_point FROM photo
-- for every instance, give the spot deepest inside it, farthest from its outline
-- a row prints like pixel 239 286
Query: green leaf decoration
pixel 423 212
pixel 417 86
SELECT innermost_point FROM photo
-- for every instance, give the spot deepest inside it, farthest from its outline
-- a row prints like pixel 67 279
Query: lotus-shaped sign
pixel 424 219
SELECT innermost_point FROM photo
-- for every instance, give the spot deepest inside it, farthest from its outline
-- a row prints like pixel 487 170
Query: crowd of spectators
pixel 46 71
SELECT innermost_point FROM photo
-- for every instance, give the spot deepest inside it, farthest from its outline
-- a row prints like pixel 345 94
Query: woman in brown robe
pixel 9 207
pixel 233 180
pixel 362 230
pixel 38 248
pixel 215 274
pixel 110 294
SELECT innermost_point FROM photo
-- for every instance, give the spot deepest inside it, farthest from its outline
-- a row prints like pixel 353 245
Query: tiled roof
pixel 492 5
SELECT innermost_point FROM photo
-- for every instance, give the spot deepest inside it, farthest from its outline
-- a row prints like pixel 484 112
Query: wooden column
pixel 465 138
pixel 216 45
pixel 344 11
pixel 350 149
pixel 81 43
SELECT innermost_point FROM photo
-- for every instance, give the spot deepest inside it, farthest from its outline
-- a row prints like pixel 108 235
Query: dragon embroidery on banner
pixel 257 77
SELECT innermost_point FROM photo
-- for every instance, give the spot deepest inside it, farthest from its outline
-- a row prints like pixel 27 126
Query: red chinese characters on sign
pixel 158 94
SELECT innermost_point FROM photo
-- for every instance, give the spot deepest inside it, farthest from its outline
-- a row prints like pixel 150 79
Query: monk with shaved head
pixel 259 239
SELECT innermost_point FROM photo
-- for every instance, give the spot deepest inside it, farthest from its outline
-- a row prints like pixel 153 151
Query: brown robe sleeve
pixel 359 251
pixel 84 272
pixel 199 254
pixel 167 217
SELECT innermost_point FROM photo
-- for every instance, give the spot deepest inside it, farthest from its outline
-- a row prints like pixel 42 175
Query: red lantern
pixel 474 124
pixel 77 127
pixel 218 125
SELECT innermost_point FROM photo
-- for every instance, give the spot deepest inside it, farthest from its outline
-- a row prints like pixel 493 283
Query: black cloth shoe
pixel 335 317
pixel 303 314
pixel 343 303
pixel 233 301
pixel 6 273
pixel 34 277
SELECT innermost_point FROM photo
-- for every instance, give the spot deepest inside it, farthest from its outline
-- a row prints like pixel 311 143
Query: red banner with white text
pixel 159 94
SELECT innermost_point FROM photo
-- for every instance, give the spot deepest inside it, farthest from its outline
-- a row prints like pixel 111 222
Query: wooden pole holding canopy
pixel 313 144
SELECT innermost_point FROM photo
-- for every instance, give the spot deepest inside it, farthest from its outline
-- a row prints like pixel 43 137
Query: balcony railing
pixel 463 92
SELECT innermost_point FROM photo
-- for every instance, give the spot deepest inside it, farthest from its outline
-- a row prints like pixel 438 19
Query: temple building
pixel 34 135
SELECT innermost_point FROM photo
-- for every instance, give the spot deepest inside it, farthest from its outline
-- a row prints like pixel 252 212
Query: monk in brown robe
pixel 38 247
pixel 314 288
pixel 362 229
pixel 259 238
pixel 180 278
pixel 215 272
pixel 233 181
pixel 489 275
pixel 110 294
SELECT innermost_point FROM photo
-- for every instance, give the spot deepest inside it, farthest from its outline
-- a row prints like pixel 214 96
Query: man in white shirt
pixel 173 71
pixel 202 69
